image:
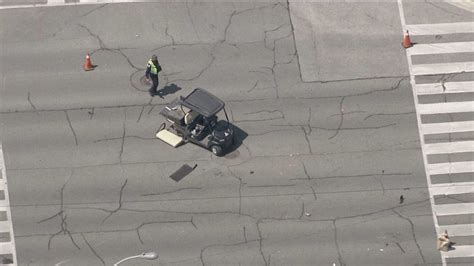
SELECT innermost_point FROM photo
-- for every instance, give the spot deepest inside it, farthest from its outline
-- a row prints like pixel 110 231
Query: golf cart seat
pixel 190 116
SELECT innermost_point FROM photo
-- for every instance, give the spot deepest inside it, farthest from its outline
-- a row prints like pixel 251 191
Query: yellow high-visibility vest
pixel 153 69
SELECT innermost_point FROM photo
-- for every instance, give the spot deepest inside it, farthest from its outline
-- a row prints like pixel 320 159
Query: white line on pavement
pixel 457 229
pixel 460 251
pixel 447 127
pixel 450 147
pixel 440 28
pixel 441 48
pixel 466 4
pixel 6 247
pixel 444 68
pixel 82 2
pixel 452 188
pixel 450 168
pixel 5 226
pixel 453 209
pixel 447 87
pixel 443 108
pixel 418 120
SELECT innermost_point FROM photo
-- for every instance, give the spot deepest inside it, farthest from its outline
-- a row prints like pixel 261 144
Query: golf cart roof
pixel 203 102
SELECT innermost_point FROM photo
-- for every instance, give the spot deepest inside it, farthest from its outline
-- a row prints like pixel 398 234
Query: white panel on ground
pixel 440 28
pixel 442 108
pixel 449 147
pixel 441 48
pixel 450 168
pixel 452 188
pixel 457 229
pixel 449 87
pixel 453 209
pixel 444 68
pixel 447 127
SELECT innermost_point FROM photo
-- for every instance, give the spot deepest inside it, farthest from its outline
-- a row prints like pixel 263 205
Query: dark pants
pixel 154 86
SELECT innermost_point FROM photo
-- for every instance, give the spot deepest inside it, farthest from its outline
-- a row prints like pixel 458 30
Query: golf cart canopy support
pixel 203 102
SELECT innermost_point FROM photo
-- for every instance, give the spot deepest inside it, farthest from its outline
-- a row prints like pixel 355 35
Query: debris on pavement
pixel 182 172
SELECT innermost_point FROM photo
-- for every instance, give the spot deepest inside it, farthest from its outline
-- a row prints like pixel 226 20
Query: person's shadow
pixel 168 89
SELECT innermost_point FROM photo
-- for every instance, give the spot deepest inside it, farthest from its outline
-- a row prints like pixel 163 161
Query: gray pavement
pixel 316 181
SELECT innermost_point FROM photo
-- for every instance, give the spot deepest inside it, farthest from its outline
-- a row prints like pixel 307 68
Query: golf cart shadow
pixel 239 137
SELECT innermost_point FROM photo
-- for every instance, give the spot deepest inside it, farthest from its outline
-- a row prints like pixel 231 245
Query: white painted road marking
pixel 447 127
pixel 441 28
pixel 460 252
pixel 450 147
pixel 442 48
pixel 52 3
pixel 450 168
pixel 447 87
pixel 458 229
pixel 445 68
pixel 454 209
pixel 6 248
pixel 443 108
pixel 450 188
pixel 464 4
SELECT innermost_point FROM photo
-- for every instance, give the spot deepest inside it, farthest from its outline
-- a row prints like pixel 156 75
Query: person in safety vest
pixel 152 69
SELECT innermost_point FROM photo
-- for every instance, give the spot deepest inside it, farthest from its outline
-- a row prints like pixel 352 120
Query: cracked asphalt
pixel 317 179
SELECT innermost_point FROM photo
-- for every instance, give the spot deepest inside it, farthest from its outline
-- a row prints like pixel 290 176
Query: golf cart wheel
pixel 216 150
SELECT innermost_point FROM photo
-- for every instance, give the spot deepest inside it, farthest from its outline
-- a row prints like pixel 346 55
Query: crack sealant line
pixel 418 116
pixel 7 209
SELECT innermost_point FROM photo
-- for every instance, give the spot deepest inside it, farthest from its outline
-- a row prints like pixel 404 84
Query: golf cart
pixel 193 119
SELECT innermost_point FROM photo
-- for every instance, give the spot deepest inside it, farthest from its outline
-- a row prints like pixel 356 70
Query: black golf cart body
pixel 194 119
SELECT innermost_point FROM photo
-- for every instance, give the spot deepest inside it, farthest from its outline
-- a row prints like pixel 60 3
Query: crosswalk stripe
pixel 449 147
pixel 457 229
pixel 452 188
pixel 6 248
pixel 442 108
pixel 447 127
pixel 447 87
pixel 4 203
pixel 441 48
pixel 4 226
pixel 459 252
pixel 450 168
pixel 443 68
pixel 453 209
pixel 440 28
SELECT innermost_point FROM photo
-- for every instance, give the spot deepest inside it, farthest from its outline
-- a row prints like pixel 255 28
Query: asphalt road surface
pixel 328 168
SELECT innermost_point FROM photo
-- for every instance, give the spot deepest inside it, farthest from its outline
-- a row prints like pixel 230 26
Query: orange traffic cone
pixel 88 64
pixel 406 40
